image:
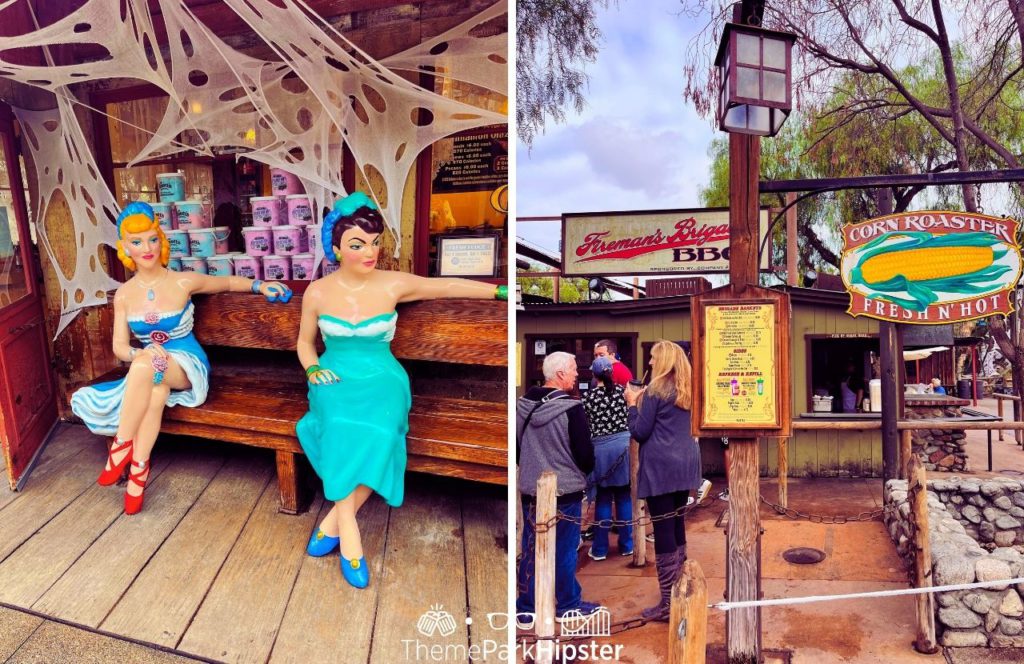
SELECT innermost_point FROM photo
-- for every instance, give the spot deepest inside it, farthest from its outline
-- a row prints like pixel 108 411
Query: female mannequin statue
pixel 171 370
pixel 359 399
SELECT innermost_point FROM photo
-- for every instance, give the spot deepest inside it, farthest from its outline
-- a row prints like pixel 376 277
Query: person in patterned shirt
pixel 605 406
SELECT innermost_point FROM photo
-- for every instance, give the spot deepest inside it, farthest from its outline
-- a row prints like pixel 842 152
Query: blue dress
pixel 354 432
pixel 99 405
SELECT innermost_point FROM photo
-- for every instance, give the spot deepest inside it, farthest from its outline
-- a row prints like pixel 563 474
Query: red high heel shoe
pixel 108 477
pixel 133 504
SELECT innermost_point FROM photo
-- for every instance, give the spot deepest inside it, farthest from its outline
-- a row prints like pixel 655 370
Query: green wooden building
pixel 825 339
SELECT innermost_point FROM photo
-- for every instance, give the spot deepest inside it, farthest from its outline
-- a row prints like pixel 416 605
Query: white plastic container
pixel 875 394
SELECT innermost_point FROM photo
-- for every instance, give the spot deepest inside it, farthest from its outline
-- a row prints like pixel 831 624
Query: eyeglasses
pixel 499 621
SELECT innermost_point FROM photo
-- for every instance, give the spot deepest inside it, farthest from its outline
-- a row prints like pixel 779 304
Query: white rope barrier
pixel 784 601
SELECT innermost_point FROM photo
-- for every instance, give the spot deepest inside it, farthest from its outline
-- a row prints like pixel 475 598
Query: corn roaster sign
pixel 649 242
pixel 931 267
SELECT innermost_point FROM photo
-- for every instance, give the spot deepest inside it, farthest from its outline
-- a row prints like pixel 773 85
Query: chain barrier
pixel 791 513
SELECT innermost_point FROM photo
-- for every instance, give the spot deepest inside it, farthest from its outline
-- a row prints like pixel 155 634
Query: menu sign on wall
pixel 478 162
pixel 740 376
pixel 649 242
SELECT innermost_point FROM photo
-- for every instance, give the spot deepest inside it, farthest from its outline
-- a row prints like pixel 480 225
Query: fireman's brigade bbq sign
pixel 931 267
pixel 648 242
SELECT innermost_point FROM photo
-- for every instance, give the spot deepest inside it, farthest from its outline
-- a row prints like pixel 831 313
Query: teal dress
pixel 354 432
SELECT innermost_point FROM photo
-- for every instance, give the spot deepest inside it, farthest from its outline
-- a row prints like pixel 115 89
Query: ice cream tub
pixel 164 213
pixel 300 210
pixel 201 242
pixel 171 187
pixel 277 268
pixel 191 214
pixel 313 236
pixel 302 266
pixel 248 266
pixel 179 243
pixel 174 264
pixel 283 183
pixel 327 267
pixel 259 241
pixel 289 240
pixel 266 211
pixel 219 266
pixel 220 239
pixel 193 264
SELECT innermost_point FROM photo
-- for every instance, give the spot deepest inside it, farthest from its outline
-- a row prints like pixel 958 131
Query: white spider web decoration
pixel 293 114
pixel 462 55
pixel 63 165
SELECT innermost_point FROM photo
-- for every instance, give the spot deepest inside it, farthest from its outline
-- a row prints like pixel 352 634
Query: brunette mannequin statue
pixel 359 399
pixel 171 369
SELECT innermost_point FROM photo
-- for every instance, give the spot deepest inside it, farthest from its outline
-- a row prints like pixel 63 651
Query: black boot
pixel 667 572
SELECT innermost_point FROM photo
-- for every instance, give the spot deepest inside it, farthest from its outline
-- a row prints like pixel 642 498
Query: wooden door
pixel 28 405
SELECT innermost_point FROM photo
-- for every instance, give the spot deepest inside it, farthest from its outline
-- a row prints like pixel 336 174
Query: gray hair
pixel 557 361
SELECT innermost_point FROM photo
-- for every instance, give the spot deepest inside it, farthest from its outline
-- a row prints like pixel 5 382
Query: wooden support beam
pixel 783 471
pixel 792 262
pixel 743 542
pixel 688 618
pixel 544 569
pixel 640 530
pixel 917 493
pixel 906 450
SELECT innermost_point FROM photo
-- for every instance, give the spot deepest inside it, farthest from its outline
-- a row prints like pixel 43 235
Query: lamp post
pixel 755 98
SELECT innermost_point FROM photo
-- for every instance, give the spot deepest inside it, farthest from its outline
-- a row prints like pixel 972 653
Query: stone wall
pixel 979 617
pixel 991 511
pixel 940 450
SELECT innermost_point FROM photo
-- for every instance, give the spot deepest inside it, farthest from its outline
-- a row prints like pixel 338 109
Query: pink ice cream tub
pixel 302 266
pixel 327 267
pixel 193 264
pixel 191 215
pixel 266 211
pixel 164 214
pixel 277 268
pixel 289 240
pixel 283 183
pixel 220 239
pixel 300 210
pixel 313 237
pixel 219 266
pixel 248 266
pixel 259 241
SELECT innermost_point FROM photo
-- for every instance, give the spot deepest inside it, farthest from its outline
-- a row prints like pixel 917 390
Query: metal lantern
pixel 754 72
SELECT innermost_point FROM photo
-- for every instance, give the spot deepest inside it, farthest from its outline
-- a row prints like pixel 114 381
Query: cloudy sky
pixel 637 145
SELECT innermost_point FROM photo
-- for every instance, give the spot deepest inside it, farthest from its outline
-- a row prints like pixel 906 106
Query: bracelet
pixel 132 352
pixel 313 368
pixel 256 283
pixel 501 293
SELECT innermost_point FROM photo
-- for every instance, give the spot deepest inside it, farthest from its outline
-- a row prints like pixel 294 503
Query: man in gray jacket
pixel 552 433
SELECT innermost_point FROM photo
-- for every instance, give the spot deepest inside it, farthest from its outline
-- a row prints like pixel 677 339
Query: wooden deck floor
pixel 211 569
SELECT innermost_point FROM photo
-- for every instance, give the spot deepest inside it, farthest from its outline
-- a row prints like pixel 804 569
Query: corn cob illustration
pixel 923 264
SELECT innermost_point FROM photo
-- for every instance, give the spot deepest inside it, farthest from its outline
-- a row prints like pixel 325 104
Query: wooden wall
pixel 811 453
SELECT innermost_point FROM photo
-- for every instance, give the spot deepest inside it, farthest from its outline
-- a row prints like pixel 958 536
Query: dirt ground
pixel 859 558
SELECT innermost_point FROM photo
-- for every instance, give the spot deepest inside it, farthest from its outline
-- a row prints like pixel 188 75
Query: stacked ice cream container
pixel 277 245
pixel 188 225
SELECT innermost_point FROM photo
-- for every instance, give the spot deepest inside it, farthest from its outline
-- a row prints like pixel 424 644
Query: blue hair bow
pixel 343 207
pixel 132 209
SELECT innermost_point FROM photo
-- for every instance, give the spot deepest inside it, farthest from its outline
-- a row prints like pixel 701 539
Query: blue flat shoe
pixel 321 544
pixel 355 572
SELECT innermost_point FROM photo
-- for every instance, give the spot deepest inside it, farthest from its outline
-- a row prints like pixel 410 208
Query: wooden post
pixel 640 530
pixel 544 565
pixel 917 493
pixel 783 471
pixel 906 451
pixel 792 262
pixel 688 618
pixel 999 412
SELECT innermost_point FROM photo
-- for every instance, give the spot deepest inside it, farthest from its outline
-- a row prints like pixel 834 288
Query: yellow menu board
pixel 740 376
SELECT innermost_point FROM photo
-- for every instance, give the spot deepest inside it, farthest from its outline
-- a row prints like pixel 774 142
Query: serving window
pixel 828 357
pixel 537 347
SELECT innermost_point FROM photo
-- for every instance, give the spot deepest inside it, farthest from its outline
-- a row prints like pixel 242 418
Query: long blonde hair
pixel 671 373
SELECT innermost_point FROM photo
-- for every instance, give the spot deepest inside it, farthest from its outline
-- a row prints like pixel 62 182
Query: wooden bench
pixel 257 395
